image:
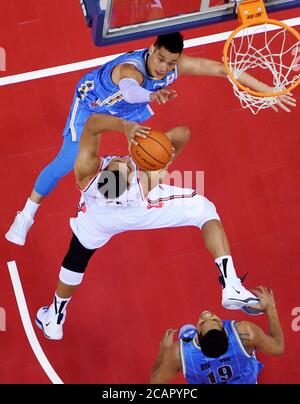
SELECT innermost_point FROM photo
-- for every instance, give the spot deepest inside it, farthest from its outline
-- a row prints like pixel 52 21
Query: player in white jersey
pixel 117 197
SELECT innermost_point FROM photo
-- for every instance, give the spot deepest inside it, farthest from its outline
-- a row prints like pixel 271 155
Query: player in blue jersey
pixel 220 351
pixel 124 88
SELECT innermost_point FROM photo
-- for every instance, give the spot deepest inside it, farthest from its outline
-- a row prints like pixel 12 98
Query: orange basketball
pixel 153 152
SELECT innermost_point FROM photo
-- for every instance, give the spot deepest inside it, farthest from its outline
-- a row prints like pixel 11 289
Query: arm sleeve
pixel 133 92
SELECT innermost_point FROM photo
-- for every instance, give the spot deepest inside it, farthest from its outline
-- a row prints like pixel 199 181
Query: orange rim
pixel 235 81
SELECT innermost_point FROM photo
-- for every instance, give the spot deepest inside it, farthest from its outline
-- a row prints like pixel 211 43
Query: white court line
pixel 35 345
pixel 87 64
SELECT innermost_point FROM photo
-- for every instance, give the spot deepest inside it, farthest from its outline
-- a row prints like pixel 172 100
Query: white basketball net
pixel 262 48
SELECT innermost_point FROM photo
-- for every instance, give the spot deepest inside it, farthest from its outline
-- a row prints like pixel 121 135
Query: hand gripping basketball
pixel 133 130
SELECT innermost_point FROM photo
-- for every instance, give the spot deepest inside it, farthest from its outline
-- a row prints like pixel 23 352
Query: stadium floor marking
pixel 30 333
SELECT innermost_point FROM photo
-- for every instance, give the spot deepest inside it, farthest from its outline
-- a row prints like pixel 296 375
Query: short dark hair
pixel 214 343
pixel 172 42
pixel 111 184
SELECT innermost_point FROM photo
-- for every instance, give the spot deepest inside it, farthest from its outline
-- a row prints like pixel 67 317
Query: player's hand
pixel 173 155
pixel 267 300
pixel 168 339
pixel 132 130
pixel 284 102
pixel 164 95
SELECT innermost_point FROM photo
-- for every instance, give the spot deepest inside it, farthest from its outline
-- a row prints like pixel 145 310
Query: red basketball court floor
pixel 142 282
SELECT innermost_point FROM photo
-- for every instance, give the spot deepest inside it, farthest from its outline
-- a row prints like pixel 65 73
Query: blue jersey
pixel 236 366
pixel 96 93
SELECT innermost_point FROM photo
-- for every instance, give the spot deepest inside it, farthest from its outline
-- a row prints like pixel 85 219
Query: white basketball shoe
pixel 50 323
pixel 19 229
pixel 236 297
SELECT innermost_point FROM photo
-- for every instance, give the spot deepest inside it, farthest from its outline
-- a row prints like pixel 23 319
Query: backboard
pixel 114 21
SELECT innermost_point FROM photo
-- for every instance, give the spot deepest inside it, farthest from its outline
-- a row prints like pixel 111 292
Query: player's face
pixel 209 321
pixel 161 61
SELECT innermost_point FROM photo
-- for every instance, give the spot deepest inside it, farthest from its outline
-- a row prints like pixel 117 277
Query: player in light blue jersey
pixel 124 88
pixel 220 351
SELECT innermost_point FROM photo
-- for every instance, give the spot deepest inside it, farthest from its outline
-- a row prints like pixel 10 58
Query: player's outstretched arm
pixel 130 80
pixel 271 343
pixel 167 364
pixel 205 67
pixel 87 162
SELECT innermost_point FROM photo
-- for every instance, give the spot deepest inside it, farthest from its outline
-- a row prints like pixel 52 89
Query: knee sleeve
pixel 77 257
pixel 70 278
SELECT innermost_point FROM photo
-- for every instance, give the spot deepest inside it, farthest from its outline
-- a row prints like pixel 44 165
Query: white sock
pixel 30 208
pixel 226 268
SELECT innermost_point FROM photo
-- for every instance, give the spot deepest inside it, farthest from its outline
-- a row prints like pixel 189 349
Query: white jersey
pixel 99 219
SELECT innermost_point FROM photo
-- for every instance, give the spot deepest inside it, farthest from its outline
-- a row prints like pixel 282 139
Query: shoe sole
pixel 40 326
pixel 243 305
pixel 252 312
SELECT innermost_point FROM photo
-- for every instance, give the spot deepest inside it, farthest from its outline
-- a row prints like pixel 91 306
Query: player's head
pixel 171 42
pixel 212 337
pixel 164 54
pixel 114 180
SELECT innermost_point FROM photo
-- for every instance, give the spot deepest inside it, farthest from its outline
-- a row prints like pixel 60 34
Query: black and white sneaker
pixel 51 324
pixel 236 297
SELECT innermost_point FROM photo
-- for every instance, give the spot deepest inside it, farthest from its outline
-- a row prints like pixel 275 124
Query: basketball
pixel 153 152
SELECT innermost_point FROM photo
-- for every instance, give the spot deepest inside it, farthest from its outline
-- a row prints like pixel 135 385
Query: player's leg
pixel 46 182
pixel 51 318
pixel 64 161
pixel 90 232
pixel 234 294
pixel 52 173
pixel 215 238
pixel 183 207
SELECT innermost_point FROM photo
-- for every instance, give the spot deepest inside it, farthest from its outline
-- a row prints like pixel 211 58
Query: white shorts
pixel 167 206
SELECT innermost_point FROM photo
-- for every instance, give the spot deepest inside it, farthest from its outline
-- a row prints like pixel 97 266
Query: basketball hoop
pixel 268 49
